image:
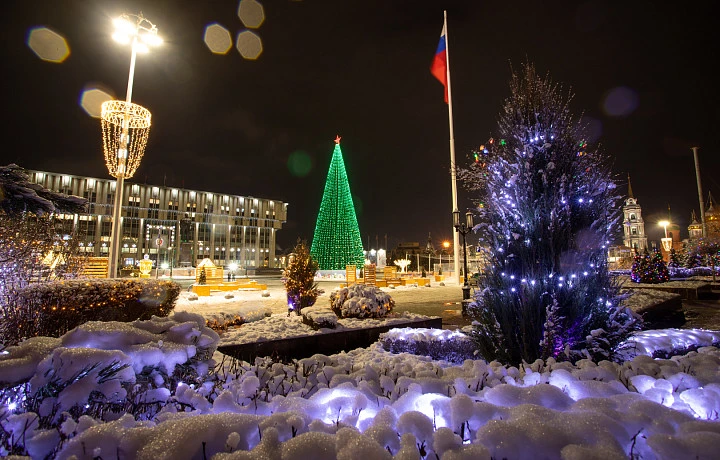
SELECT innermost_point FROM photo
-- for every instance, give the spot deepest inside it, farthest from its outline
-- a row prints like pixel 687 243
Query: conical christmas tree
pixel 336 242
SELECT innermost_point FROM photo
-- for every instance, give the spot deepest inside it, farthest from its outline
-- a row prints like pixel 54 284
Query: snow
pixel 365 403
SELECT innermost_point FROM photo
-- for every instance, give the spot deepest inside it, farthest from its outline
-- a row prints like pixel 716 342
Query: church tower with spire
pixel 695 227
pixel 712 218
pixel 633 224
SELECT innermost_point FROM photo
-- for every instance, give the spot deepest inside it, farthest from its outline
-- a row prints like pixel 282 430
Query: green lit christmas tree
pixel 336 242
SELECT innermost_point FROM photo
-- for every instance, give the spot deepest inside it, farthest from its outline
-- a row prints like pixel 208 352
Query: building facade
pixel 633 225
pixel 173 226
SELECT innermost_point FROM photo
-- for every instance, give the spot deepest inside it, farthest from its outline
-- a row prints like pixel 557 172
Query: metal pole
pixel 114 253
pixel 466 286
pixel 700 194
pixel 453 175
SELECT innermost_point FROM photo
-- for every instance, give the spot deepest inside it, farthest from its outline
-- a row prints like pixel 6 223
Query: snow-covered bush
pixel 361 301
pixel 369 403
pixel 98 372
pixel 319 318
pixel 438 344
pixel 55 307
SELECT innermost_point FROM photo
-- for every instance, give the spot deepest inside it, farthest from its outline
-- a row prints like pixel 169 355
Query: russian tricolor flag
pixel 439 64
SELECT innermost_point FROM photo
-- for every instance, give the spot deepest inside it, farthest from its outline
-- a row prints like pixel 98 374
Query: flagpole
pixel 453 177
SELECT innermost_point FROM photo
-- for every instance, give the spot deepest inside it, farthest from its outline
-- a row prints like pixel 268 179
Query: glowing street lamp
pixel 125 125
pixel 666 242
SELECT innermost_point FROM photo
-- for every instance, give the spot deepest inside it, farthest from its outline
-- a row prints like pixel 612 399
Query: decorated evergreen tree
pixel 547 207
pixel 336 241
pixel 674 259
pixel 640 267
pixel 649 268
pixel 660 273
pixel 202 279
pixel 299 279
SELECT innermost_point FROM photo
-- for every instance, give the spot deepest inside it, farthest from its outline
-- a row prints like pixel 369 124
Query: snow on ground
pixel 367 403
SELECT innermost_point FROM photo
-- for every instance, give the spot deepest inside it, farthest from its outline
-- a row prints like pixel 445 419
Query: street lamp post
pixel 700 194
pixel 123 152
pixel 667 241
pixel 464 228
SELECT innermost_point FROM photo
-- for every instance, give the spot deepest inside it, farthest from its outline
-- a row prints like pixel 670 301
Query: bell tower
pixel 633 224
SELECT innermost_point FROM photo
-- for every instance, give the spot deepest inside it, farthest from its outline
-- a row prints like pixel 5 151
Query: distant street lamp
pixel 464 228
pixel 126 125
pixel 445 245
pixel 666 242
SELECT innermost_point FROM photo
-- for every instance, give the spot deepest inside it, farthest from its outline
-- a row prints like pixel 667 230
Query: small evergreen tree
pixel 674 259
pixel 640 267
pixel 546 205
pixel 202 279
pixel 649 268
pixel 299 279
pixel 660 273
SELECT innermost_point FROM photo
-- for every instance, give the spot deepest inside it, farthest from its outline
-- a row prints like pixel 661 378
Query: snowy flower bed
pixel 366 403
pixel 361 301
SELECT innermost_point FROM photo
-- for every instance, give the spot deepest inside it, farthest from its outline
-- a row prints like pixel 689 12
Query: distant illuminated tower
pixel 336 242
pixel 633 225
pixel 712 218
pixel 695 227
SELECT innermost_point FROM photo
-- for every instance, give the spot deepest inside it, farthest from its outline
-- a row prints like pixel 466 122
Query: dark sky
pixel 640 71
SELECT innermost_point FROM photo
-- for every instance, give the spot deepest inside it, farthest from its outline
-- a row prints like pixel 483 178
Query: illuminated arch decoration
pixel 336 241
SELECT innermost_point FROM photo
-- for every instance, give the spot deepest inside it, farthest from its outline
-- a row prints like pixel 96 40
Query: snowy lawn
pixel 144 390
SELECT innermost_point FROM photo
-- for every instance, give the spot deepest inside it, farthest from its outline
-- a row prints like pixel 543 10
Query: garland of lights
pixel 336 241
pixel 119 117
pixel 546 204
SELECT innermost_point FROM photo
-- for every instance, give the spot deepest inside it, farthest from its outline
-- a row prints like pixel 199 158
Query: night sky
pixel 640 71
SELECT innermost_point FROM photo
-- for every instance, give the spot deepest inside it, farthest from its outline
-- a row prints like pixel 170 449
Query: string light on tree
pixel 336 241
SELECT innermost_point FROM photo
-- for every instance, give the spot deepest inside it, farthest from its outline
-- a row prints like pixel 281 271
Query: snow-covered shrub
pixel 361 301
pixel 98 372
pixel 55 307
pixel 438 344
pixel 223 322
pixel 319 317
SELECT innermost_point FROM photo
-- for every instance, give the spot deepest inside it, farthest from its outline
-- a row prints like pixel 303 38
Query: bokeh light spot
pixel 91 100
pixel 249 45
pixel 48 45
pixel 620 102
pixel 217 39
pixel 251 13
pixel 299 163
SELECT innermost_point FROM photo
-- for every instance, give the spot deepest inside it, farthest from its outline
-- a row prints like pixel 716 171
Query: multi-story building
pixel 172 225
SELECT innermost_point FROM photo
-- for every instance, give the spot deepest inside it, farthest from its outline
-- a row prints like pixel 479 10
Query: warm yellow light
pixel 121 38
pixel 446 244
pixel 151 39
pixel 664 223
pixel 124 26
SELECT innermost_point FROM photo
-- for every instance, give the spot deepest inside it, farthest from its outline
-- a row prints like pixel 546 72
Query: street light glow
pixel 664 224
